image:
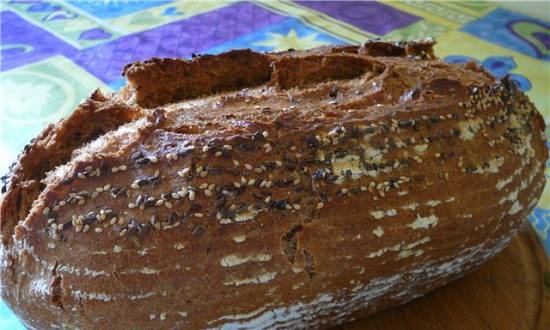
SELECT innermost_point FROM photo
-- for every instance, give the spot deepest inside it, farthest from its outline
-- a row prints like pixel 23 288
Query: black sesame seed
pixel 172 217
pixel 270 165
pixel 319 174
pixel 142 182
pixel 248 146
pixel 142 161
pixel 312 142
pixel 333 93
pixel 84 194
pixel 149 202
pixel 134 226
pixel 67 181
pixel 355 132
pixel 137 155
pixel 197 231
pixel 258 136
pixel 90 218
pixel 405 123
pixel 145 227
pixel 470 169
pixel 369 130
pixel 241 189
pixel 278 204
pixel 332 178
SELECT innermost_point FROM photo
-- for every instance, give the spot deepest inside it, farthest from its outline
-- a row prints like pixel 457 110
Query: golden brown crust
pixel 311 183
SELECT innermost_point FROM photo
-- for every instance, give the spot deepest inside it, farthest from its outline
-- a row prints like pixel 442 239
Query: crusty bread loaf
pixel 268 191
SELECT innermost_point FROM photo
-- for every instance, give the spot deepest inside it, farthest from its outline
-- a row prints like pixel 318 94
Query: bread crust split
pixel 291 190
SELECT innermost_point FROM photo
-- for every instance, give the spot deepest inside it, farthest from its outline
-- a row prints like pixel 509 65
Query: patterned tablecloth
pixel 54 53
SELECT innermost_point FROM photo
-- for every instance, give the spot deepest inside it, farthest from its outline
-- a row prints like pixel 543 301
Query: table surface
pixel 54 53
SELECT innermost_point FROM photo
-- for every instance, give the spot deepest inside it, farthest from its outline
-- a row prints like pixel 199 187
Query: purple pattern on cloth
pixel 95 34
pixel 370 16
pixel 543 38
pixel 24 43
pixel 178 39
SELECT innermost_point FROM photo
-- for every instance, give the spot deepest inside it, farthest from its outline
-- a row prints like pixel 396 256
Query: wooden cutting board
pixel 510 291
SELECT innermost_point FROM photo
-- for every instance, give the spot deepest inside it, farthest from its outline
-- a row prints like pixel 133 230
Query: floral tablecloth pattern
pixel 55 53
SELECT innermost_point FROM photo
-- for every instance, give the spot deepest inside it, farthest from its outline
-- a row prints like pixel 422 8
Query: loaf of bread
pixel 268 191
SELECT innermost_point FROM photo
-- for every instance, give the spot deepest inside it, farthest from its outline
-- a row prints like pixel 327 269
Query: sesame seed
pixel 114 169
pixel 183 172
pixel 265 134
pixel 51 220
pixel 98 230
pixel 227 147
pixel 236 162
pixel 175 195
pixel 296 206
pixel 86 228
pixel 203 174
pixel 168 205
pixel 192 195
pixel 131 205
pixel 278 163
pixel 153 159
pixel 81 175
pixel 320 205
pixel 159 202
pixel 208 193
pixel 123 167
pixel 218 154
pixel 248 166
pixel 199 215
